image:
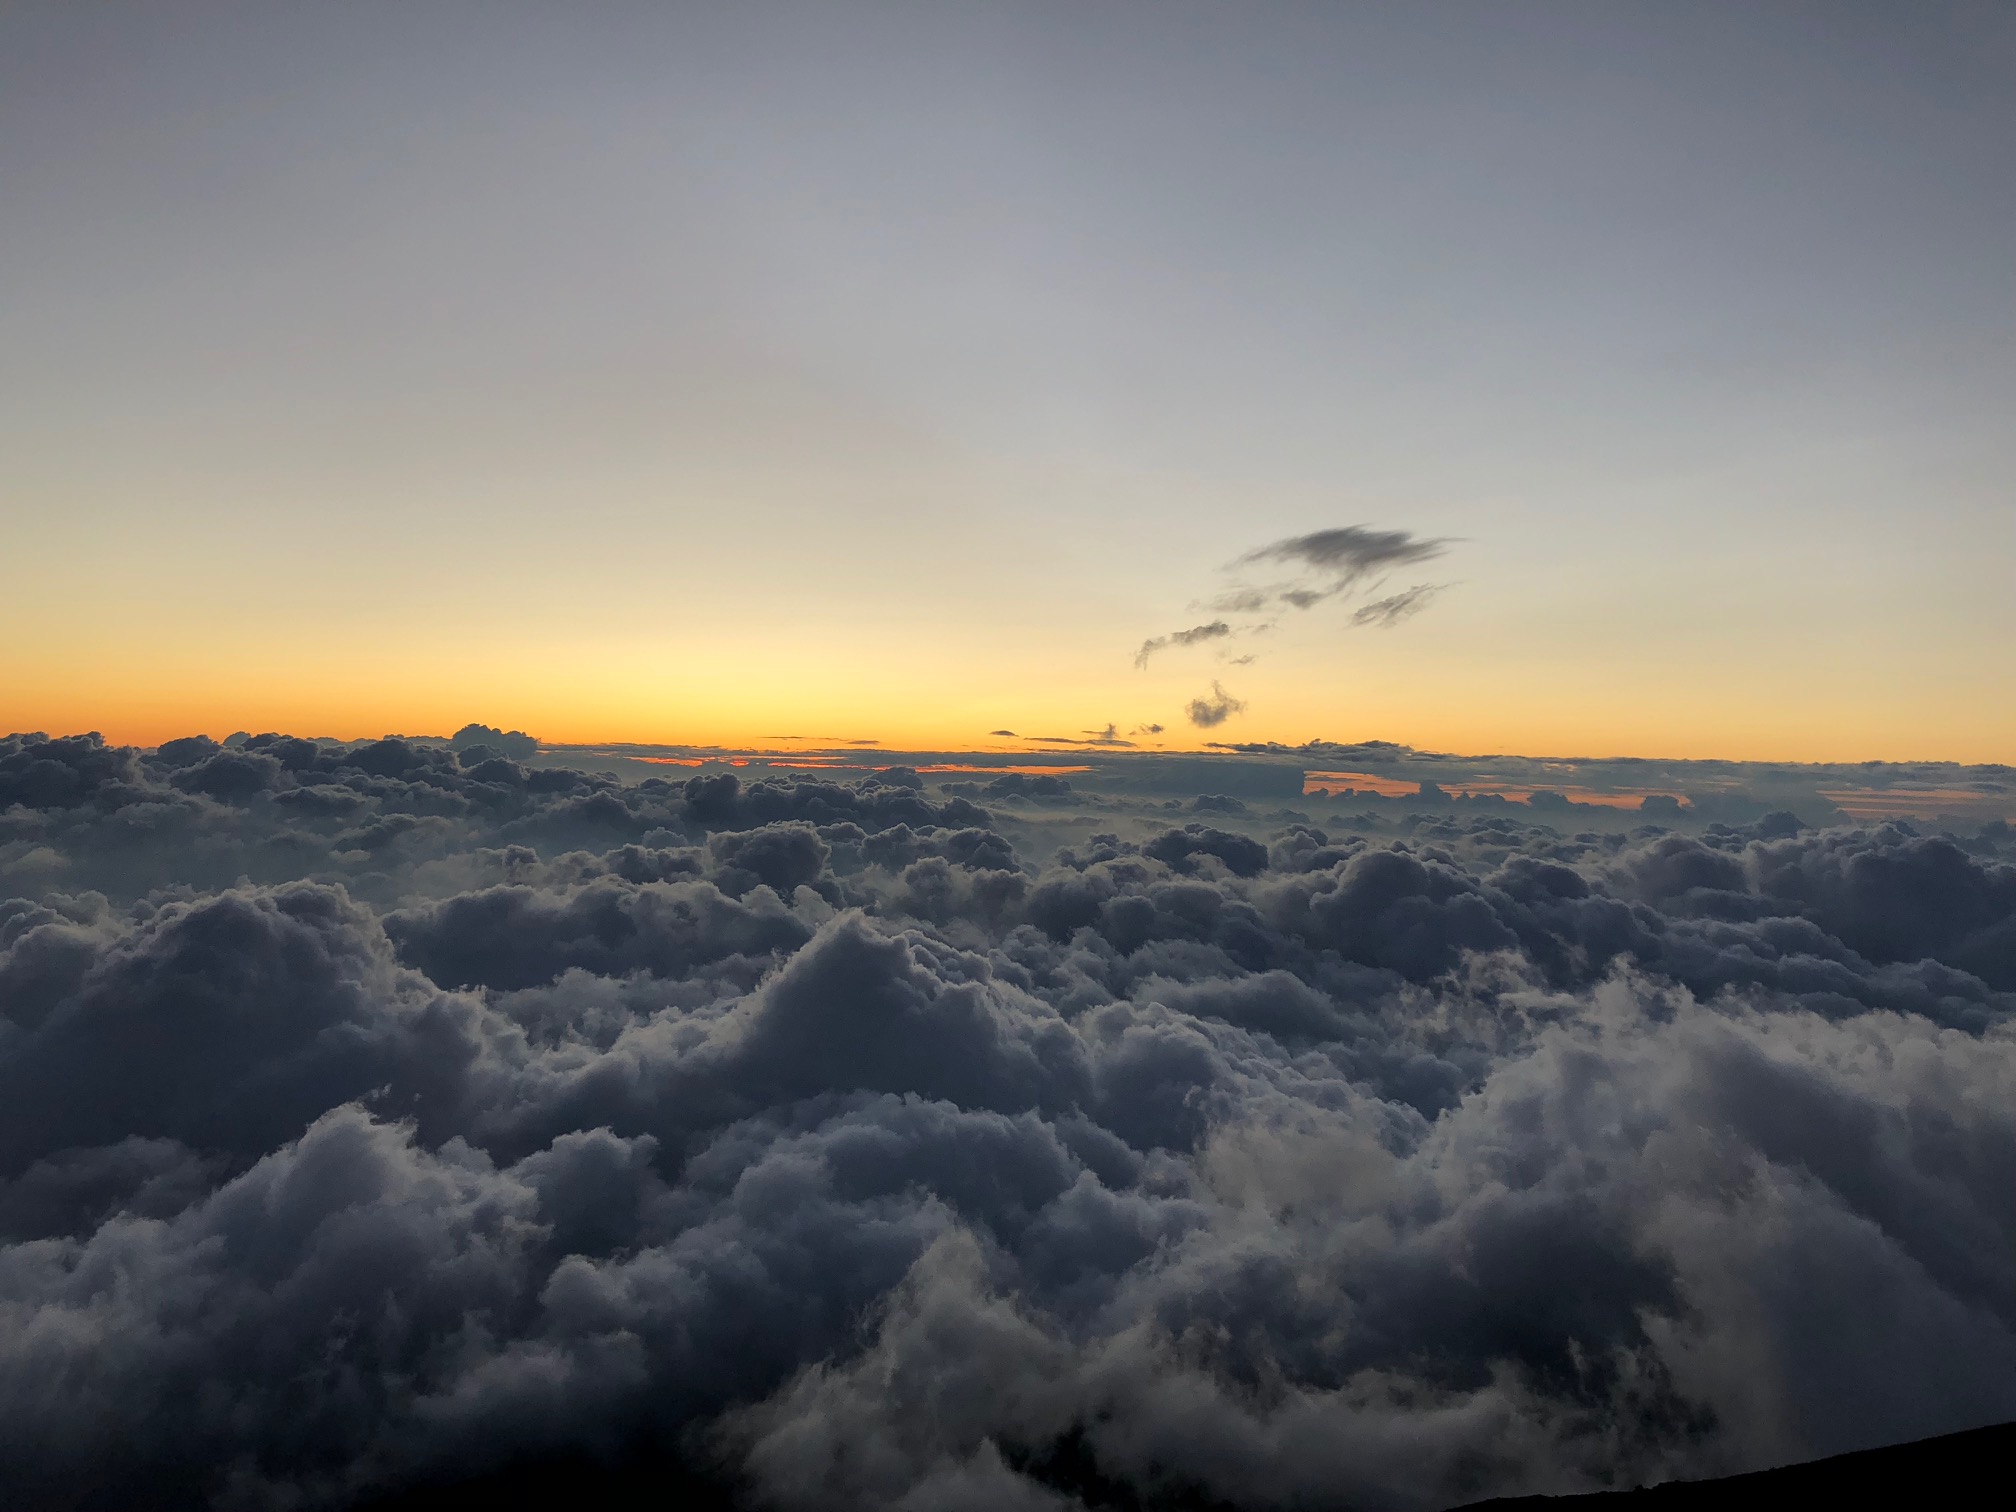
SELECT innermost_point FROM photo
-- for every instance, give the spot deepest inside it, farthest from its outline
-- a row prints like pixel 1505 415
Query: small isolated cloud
pixel 1209 712
pixel 1241 661
pixel 1216 630
pixel 1009 733
pixel 1389 611
pixel 1147 729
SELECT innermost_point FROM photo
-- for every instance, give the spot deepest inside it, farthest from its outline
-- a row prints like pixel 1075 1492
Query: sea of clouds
pixel 378 1116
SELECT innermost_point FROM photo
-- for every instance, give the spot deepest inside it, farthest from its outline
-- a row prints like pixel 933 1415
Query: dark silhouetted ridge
pixel 1929 1472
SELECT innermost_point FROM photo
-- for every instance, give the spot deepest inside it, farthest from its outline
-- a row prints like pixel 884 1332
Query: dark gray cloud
pixel 1335 564
pixel 853 1146
pixel 1350 553
pixel 1195 635
pixel 1213 709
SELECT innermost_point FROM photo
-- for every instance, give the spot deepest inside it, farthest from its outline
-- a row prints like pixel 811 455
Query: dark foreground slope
pixel 1955 1469
pixel 1951 1469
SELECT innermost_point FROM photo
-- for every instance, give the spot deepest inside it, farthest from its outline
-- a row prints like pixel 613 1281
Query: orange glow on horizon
pixel 145 723
pixel 602 697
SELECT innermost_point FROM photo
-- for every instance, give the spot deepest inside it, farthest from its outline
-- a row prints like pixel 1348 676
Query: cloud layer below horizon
pixel 377 1116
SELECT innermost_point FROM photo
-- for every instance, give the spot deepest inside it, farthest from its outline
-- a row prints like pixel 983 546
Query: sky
pixel 709 374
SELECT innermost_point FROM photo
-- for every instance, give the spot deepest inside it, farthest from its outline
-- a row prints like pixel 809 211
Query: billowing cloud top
pixel 377 1116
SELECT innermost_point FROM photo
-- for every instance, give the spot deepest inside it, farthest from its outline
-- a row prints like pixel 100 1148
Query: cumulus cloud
pixel 1214 709
pixel 1216 630
pixel 513 743
pixel 850 1145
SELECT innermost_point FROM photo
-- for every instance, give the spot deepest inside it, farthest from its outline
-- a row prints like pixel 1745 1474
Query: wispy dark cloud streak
pixel 1386 612
pixel 1216 630
pixel 1350 552
pixel 1340 560
pixel 1336 564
